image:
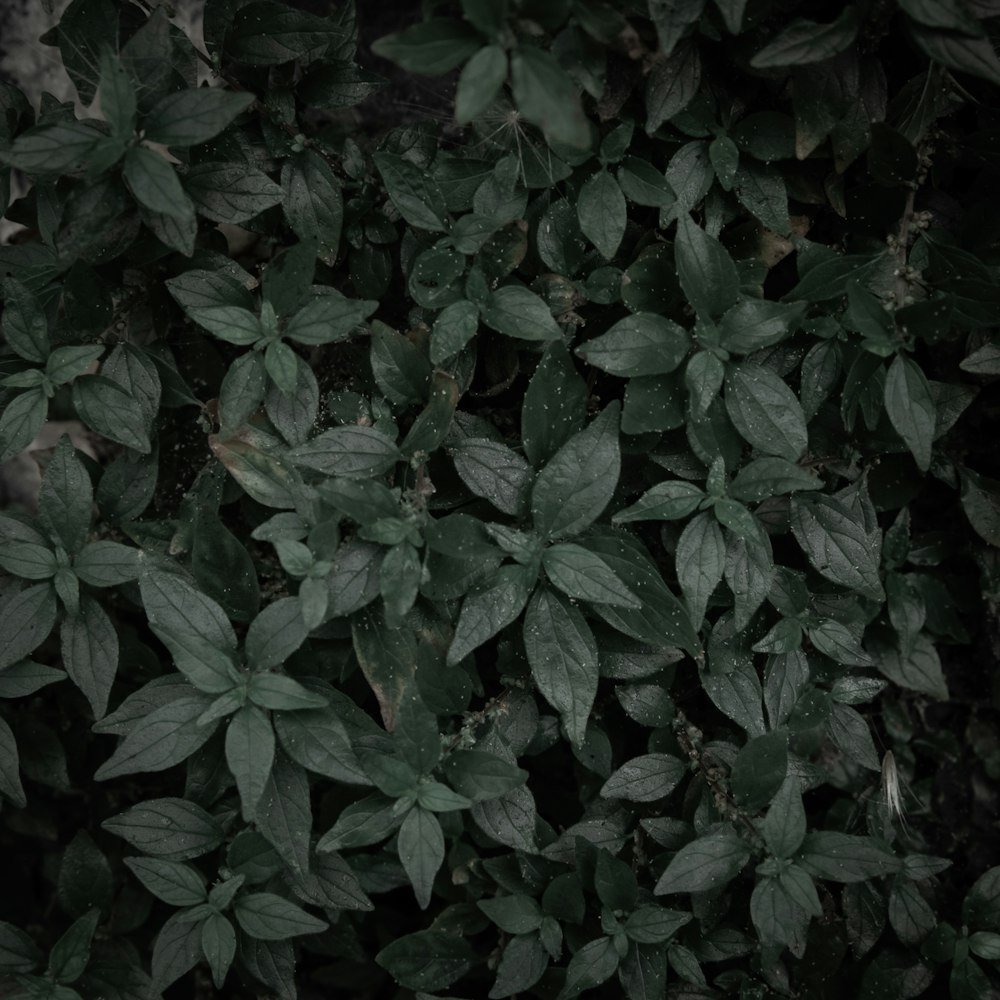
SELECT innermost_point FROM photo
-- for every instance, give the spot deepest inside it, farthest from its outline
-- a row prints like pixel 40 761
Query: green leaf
pixel 66 497
pixel 584 576
pixel 27 677
pixel 21 421
pixel 492 471
pixel 700 559
pixel 672 85
pixel 480 83
pixel 737 694
pixel 281 693
pixel 414 192
pixel 522 964
pixel 61 148
pixel 706 864
pixel 10 779
pixel 479 775
pixel 842 857
pixel 169 828
pixel 910 405
pixel 767 477
pixel 275 634
pixel 981 503
pixel 193 627
pixel 761 190
pixel 546 96
pixel 368 821
pixel 249 755
pixel 454 327
pixel 191 117
pixel 975 56
pixel 172 881
pixel 26 619
pixel 554 404
pixel 642 183
pixel 804 42
pixel 517 312
pixel 155 184
pixel 166 737
pixel 602 213
pixel 640 344
pixel 111 411
pixel 313 203
pixel 218 944
pixel 490 608
pixel 328 318
pixel 431 48
pixel 29 560
pixel 24 325
pixel 592 965
pixel 427 960
pixel 669 501
pixel 706 271
pixel 917 670
pixel 662 620
pixel 90 652
pixel 578 482
pixel 563 658
pixel 318 740
pixel 230 192
pixel 517 914
pixel 765 411
pixel 672 20
pixel 354 452
pixel 838 544
pixel 759 770
pixel 70 954
pixel 421 852
pixel 268 917
pixel 784 826
pixel 645 778
pixel 177 950
pixel 267 33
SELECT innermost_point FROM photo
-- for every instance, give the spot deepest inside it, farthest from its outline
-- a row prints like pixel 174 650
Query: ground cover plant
pixel 534 539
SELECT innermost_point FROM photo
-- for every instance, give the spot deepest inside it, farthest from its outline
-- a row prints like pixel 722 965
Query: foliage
pixel 525 551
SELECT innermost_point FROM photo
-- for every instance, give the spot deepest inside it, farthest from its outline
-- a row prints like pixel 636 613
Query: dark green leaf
pixel 804 42
pixel 640 344
pixel 520 313
pixel 706 864
pixel 563 658
pixel 169 828
pixel 268 917
pixel 577 483
pixel 431 47
pixel 765 411
pixel 602 213
pixel 230 192
pixel 706 271
pixel 190 117
pixel 911 409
